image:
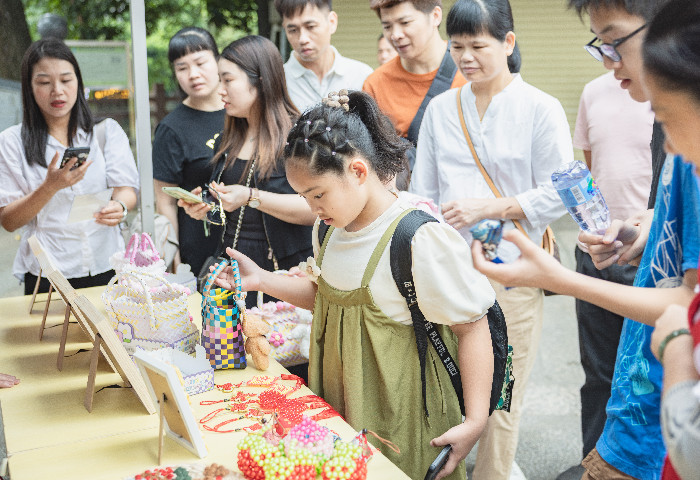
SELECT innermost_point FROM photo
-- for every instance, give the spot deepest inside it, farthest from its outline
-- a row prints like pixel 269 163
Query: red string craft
pixel 274 401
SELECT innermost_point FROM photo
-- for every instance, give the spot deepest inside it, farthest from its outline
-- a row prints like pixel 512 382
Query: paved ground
pixel 550 434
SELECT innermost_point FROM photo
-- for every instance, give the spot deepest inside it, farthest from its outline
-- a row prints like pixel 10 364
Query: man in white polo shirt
pixel 315 67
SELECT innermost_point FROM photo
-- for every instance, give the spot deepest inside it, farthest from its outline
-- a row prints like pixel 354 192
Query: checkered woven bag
pixel 222 333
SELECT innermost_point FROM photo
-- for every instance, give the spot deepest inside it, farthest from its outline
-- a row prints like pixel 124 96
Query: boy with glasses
pixel 631 445
pixel 631 432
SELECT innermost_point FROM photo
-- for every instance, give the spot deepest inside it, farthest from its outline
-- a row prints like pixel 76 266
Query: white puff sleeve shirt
pixel 450 290
pixel 523 137
pixel 78 249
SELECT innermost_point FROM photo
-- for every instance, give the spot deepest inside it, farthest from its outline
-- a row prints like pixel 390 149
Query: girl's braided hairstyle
pixel 342 126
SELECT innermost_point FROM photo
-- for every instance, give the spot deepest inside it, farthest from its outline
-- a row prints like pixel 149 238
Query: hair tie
pixel 338 99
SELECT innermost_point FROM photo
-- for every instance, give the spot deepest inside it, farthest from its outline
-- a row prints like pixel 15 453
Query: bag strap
pixel 401 270
pixel 100 133
pixel 483 171
pixel 441 83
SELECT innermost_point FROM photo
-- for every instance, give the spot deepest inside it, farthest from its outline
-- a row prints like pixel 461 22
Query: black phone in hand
pixel 80 152
pixel 438 463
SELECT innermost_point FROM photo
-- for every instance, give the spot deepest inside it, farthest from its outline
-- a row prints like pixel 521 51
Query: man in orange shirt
pixel 400 85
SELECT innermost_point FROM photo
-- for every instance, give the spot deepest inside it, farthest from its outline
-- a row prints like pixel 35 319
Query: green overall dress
pixel 366 366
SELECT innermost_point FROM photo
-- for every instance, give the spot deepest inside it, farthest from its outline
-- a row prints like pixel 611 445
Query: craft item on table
pixel 290 329
pixel 192 471
pixel 271 407
pixel 489 233
pixel 140 256
pixel 196 372
pixel 149 317
pixel 183 276
pixel 255 328
pixel 176 417
pixel 312 437
pixel 223 313
pixel 258 459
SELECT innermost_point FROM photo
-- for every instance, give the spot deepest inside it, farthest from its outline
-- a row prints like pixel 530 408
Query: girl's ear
pixel 510 43
pixel 358 168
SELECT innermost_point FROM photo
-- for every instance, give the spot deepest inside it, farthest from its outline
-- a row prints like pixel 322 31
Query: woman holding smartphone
pixel 184 140
pixel 36 193
pixel 249 178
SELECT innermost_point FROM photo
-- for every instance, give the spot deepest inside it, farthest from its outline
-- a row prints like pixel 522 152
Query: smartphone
pixel 438 463
pixel 80 152
pixel 183 194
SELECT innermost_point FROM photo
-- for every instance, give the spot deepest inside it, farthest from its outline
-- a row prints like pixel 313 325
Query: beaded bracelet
pixel 668 338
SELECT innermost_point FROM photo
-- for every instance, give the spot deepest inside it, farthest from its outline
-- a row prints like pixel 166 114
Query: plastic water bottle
pixel 581 197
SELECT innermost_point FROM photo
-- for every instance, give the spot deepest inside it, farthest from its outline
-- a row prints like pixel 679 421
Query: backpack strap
pixel 401 269
pixel 441 83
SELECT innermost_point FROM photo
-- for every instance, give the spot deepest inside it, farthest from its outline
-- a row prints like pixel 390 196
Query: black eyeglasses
pixel 609 49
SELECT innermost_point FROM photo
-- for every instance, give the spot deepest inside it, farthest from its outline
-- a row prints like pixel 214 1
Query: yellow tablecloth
pixel 50 434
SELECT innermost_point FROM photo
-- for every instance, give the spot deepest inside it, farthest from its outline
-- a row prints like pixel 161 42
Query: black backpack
pixel 502 384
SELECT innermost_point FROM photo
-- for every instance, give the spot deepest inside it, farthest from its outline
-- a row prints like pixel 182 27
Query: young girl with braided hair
pixel 363 359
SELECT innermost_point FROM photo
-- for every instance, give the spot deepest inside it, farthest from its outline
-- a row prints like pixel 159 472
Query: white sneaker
pixel 516 473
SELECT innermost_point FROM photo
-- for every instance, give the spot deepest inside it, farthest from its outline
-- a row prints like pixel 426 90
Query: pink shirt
pixel 617 131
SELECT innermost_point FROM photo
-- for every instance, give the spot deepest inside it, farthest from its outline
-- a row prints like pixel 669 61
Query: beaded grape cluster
pixel 307 451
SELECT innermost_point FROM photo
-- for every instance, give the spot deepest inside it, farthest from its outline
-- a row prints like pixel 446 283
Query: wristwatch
pixel 254 198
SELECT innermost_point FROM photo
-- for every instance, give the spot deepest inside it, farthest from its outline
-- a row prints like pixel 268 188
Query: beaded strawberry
pixel 253 452
pixel 344 468
pixel 164 474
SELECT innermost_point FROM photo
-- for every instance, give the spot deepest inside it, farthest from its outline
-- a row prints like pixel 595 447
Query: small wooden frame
pixel 107 343
pixel 68 294
pixel 46 266
pixel 176 418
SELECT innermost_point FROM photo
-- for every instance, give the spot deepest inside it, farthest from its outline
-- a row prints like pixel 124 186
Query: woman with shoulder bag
pixel 265 218
pixel 520 135
pixel 37 188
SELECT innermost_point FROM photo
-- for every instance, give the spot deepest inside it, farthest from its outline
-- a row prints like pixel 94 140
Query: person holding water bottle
pixel 519 136
pixel 667 275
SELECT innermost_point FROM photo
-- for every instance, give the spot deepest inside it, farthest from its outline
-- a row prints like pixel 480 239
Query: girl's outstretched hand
pixel 462 437
pixel 249 270
pixel 534 268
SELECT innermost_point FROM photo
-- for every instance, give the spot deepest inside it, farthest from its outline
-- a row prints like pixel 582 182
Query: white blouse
pixel 450 291
pixel 523 137
pixel 78 249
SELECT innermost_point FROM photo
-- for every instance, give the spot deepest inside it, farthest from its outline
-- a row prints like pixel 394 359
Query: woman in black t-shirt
pixel 276 223
pixel 184 140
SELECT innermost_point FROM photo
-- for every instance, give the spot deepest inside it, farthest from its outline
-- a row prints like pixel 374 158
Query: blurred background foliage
pixel 227 20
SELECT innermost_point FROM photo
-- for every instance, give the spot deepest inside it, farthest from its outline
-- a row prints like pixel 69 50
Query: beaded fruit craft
pixel 307 451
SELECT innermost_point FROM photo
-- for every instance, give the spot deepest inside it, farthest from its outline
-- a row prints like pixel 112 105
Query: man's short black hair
pixel 642 8
pixel 289 8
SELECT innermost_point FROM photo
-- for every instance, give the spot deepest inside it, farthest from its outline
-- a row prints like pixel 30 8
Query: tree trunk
pixel 263 18
pixel 14 38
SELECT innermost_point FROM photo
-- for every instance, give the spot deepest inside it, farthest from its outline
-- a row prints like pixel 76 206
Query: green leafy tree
pixel 110 20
